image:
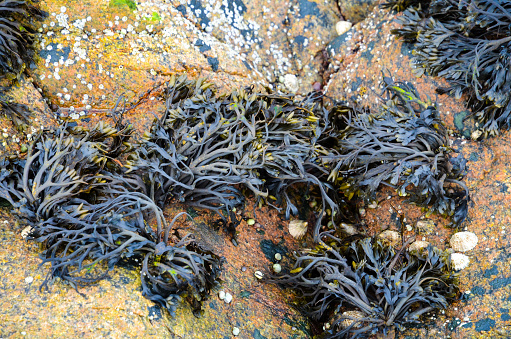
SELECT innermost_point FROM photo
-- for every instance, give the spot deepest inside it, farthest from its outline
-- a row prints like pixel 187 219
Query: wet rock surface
pixel 86 64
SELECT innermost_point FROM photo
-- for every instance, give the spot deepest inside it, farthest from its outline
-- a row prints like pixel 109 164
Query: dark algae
pixel 88 215
pixel 359 287
pixel 93 197
pixel 17 35
pixel 210 152
pixel 404 146
pixel 468 44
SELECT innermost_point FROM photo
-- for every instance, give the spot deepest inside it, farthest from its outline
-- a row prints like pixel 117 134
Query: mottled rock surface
pixel 92 52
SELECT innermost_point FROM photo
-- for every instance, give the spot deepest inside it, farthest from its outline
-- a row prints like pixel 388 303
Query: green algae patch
pixel 121 3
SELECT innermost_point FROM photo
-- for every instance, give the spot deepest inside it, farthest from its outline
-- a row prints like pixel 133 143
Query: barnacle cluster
pixel 17 28
pixel 361 287
pixel 468 44
pixel 87 214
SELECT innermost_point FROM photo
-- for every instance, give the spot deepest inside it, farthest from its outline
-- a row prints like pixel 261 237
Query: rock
pixel 426 226
pixel 356 10
pixel 418 245
pixel 235 331
pixel 352 314
pixel 390 237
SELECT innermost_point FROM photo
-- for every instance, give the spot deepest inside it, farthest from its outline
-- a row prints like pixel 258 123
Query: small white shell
pixel 291 83
pixel 277 268
pixel 342 27
pixel 235 331
pixel 417 245
pixel 391 237
pixel 278 256
pixel 228 298
pixel 353 314
pixel 463 241
pixel 349 229
pixel 298 228
pixel 258 274
pixel 26 231
pixel 221 295
pixel 459 261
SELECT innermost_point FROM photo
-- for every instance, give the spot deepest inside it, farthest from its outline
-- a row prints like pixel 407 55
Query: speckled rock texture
pixel 93 52
pixel 356 10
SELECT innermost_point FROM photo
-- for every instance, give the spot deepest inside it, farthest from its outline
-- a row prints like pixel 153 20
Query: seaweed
pixel 361 287
pixel 17 35
pixel 468 44
pixel 210 152
pixel 404 146
pixel 88 214
pixel 19 114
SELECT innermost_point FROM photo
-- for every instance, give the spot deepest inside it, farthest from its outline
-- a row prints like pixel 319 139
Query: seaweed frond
pixel 17 35
pixel 404 146
pixel 88 214
pixel 207 151
pixel 468 44
pixel 362 287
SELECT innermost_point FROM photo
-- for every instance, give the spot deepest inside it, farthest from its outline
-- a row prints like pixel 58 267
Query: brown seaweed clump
pixel 88 215
pixel 404 146
pixel 362 287
pixel 210 152
pixel 468 44
pixel 17 35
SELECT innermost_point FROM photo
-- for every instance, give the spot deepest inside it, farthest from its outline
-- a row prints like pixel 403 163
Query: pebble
pixel 228 298
pixel 221 295
pixel 342 27
pixel 278 256
pixel 277 268
pixel 250 222
pixel 28 280
pixel 235 331
pixel 243 269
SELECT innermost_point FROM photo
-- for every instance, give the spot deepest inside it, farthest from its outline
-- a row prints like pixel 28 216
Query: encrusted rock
pixel 391 237
pixel 463 241
pixel 418 245
pixel 426 226
pixel 353 314
pixel 459 261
